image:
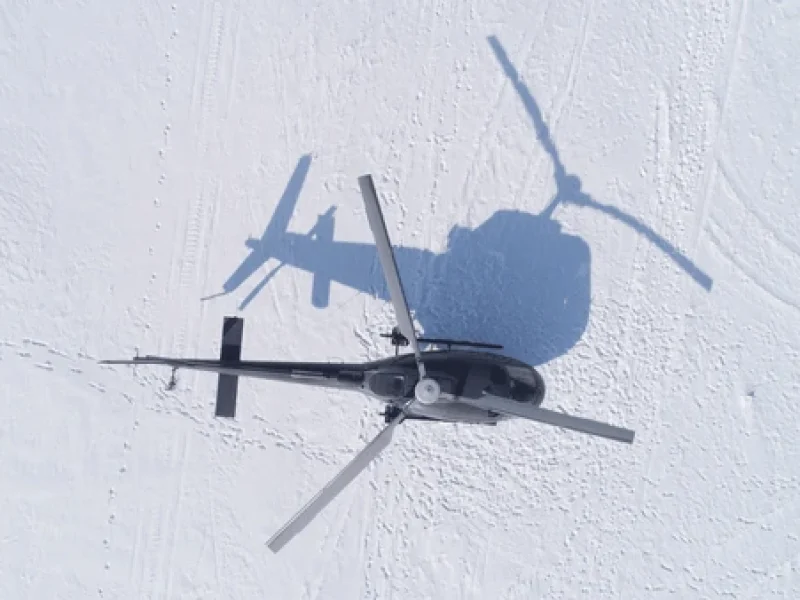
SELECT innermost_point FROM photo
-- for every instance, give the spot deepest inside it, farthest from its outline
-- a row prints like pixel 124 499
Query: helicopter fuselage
pixel 391 380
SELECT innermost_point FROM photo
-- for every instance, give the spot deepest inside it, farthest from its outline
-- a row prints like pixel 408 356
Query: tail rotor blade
pixel 389 264
pixel 360 462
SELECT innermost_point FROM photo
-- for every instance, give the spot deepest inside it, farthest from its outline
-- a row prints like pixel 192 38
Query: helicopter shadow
pixel 517 279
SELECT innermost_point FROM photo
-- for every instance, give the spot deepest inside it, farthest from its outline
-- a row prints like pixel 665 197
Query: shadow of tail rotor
pixel 322 231
pixel 277 243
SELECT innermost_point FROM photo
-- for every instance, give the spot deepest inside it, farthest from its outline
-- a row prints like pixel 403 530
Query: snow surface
pixel 144 143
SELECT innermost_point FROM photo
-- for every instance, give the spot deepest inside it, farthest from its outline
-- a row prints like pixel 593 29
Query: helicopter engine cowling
pixel 427 391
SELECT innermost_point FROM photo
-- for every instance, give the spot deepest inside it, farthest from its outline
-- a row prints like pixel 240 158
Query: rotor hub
pixel 427 391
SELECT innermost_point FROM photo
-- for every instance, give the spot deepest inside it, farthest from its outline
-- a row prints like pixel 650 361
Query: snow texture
pixel 608 189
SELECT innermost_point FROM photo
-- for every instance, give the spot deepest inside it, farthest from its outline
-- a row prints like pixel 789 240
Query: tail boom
pixel 230 367
pixel 272 370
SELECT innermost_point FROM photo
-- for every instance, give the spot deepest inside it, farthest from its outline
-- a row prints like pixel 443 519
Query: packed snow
pixel 609 190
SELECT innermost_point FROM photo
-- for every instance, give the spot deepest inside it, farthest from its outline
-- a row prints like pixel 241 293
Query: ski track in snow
pixel 679 116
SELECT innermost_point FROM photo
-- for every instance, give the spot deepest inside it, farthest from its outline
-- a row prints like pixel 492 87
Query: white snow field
pixel 610 190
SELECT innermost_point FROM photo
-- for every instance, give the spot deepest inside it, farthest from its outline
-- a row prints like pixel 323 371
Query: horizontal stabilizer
pixel 230 352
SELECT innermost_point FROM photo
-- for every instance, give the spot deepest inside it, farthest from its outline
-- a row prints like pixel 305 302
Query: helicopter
pixel 458 381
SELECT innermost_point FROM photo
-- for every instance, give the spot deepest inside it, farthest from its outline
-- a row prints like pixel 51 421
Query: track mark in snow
pixel 164 142
pixel 716 234
pixel 689 123
pixel 562 101
pixel 191 256
pixel 575 61
pixel 157 528
pixel 758 536
pixel 112 511
pixel 234 63
pixel 97 386
pixel 57 352
pixel 720 111
pixel 332 542
pixel 165 101
pixel 476 167
pixel 191 253
pixel 737 191
pixel 41 355
pixel 757 249
pixel 682 149
pixel 210 72
pixel 663 142
pixel 181 453
pixel 113 380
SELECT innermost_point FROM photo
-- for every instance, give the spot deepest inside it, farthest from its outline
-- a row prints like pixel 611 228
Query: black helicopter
pixel 445 385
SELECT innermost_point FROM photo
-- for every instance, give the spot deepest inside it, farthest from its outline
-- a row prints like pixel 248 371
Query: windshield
pixel 522 374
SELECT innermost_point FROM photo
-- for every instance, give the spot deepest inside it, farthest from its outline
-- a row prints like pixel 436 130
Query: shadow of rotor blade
pixel 669 249
pixel 531 106
pixel 568 186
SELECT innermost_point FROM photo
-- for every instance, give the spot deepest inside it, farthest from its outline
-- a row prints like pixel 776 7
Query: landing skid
pixel 392 412
pixel 398 339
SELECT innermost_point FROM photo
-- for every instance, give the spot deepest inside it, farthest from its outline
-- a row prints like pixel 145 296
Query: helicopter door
pixel 478 379
pixel 389 385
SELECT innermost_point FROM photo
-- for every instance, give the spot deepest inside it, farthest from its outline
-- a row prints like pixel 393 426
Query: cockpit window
pixel 390 385
pixel 522 374
pixel 498 375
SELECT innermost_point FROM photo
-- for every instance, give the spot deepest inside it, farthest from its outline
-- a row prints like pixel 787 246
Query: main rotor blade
pixel 389 264
pixel 543 415
pixel 306 514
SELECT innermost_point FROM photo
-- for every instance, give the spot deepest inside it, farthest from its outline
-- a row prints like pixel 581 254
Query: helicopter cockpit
pixel 526 384
pixel 506 377
pixel 517 381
